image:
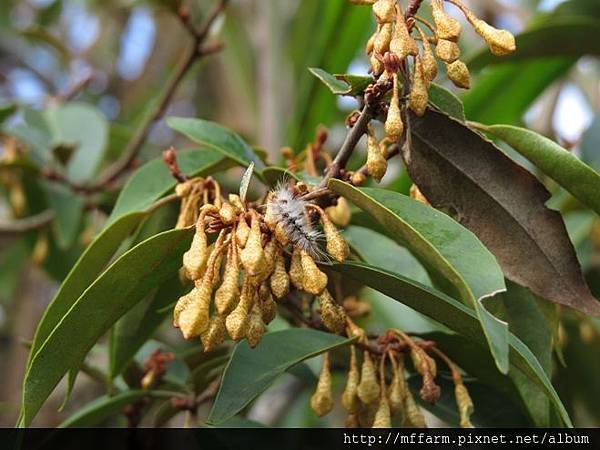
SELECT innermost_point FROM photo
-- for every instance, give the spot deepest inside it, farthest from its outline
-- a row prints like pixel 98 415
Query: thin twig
pixel 27 224
pixel 352 138
pixel 412 8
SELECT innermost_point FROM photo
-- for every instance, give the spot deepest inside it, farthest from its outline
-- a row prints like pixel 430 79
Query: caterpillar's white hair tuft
pixel 290 211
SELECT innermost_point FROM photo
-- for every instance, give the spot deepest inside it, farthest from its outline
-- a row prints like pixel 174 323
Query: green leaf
pixel 68 209
pixel 446 101
pixel 153 180
pixel 83 273
pixel 459 171
pixel 7 110
pixel 118 289
pixel 86 127
pixel 102 408
pixel 443 245
pixel 379 250
pixel 558 163
pixel 140 323
pixel 559 36
pixel 454 315
pixel 528 322
pixel 34 132
pixel 218 138
pixel 521 83
pixel 335 85
pixel 357 83
pixel 251 371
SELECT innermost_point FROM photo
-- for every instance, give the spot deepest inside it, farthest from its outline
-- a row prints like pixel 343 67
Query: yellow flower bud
pixel 332 314
pixel 382 416
pixel 321 401
pixel 376 65
pixel 268 308
pixel 384 10
pixel 256 327
pixel 40 249
pixel 447 27
pixel 281 235
pixel 313 280
pixel 235 201
pixel 376 162
pixel 447 51
pixel 501 42
pixel 414 417
pixel 418 94
pixel 370 44
pixel 340 214
pixel 393 123
pixel 430 67
pixel 194 260
pixel 465 405
pixel 192 315
pixel 336 245
pixel 402 43
pixel 350 400
pixel 296 271
pixel 228 213
pixel 215 334
pixel 366 414
pixel 458 73
pixel 271 249
pixel 242 232
pixel 227 295
pixel 17 198
pixel 358 179
pixel 368 388
pixel 237 321
pixel 279 281
pixel 253 255
pixel 383 38
pixel 190 192
pixel 351 421
pixel 398 388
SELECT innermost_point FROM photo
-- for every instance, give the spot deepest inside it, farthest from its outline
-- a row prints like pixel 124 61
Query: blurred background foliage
pixel 78 77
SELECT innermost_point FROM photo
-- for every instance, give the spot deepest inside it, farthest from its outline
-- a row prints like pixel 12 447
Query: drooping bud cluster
pixel 377 390
pixel 408 68
pixel 238 278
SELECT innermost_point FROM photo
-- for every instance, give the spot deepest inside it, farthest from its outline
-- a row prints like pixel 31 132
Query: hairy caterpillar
pixel 288 209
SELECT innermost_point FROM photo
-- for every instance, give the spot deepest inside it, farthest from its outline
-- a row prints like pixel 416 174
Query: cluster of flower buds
pixel 376 385
pixel 239 278
pixel 395 42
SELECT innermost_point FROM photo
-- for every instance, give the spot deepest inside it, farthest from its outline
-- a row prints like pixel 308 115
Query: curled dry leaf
pixel 502 203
